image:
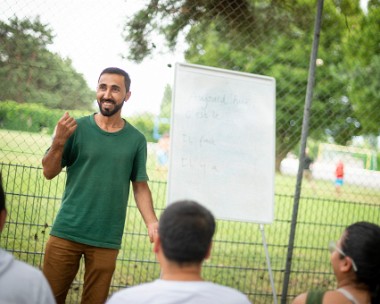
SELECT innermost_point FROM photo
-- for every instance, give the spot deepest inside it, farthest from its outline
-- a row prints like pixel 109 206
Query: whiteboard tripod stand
pixel 268 263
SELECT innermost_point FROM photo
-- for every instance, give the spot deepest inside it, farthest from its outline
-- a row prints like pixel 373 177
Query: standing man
pixel 20 283
pixel 103 153
pixel 183 243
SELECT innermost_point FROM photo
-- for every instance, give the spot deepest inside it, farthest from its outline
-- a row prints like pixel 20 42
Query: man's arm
pixel 144 202
pixel 51 162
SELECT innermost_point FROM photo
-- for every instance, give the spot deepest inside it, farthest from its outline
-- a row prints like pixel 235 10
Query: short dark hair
pixel 186 229
pixel 113 70
pixel 361 242
pixel 2 194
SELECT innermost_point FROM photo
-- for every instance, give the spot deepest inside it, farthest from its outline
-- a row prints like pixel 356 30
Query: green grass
pixel 238 257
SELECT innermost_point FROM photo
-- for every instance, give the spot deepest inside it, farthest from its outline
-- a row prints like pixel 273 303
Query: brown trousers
pixel 61 264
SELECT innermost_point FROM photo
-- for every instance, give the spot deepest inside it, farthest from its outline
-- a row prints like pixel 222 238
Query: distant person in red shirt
pixel 339 175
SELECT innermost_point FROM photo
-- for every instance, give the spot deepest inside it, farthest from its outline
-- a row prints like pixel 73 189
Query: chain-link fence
pixel 341 181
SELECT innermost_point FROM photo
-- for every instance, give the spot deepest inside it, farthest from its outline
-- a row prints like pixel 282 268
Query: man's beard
pixel 109 112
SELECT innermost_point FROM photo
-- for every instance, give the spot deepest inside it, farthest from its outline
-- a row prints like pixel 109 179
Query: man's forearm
pixel 51 162
pixel 145 205
pixel 144 202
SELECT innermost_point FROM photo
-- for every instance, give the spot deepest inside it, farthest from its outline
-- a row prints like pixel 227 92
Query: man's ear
pixel 127 96
pixel 3 216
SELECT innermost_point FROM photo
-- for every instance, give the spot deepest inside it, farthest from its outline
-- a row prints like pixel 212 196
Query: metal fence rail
pixel 238 257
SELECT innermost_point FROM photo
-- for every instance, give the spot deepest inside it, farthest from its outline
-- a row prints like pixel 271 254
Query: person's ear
pixel 3 216
pixel 127 96
pixel 346 264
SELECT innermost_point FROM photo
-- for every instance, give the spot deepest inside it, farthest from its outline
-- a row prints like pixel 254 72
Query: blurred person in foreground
pixel 355 259
pixel 183 242
pixel 103 154
pixel 20 283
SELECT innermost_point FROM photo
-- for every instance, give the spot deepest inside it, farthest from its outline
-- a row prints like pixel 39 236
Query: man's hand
pixel 152 231
pixel 65 127
pixel 51 162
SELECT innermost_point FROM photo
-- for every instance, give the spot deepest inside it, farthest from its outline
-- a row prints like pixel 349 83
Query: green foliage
pixel 363 74
pixel 164 128
pixel 30 73
pixel 234 18
pixel 291 73
pixel 38 118
pixel 166 103
pixel 30 117
pixel 274 38
pixel 163 121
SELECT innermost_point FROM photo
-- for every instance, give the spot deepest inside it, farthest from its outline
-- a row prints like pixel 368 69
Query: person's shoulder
pixel 334 296
pixel 24 283
pixel 14 266
pixel 136 132
pixel 84 119
pixel 131 126
pixel 235 296
pixel 24 273
pixel 129 293
pixel 28 271
pixel 320 296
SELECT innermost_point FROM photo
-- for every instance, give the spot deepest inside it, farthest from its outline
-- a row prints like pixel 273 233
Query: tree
pixel 270 38
pixel 144 122
pixel 30 73
pixel 162 122
pixel 166 103
pixel 362 47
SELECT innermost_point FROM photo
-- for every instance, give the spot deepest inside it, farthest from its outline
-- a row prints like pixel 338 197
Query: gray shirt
pixel 22 283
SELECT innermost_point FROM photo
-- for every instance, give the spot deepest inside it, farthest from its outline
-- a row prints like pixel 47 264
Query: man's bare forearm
pixel 144 202
pixel 51 162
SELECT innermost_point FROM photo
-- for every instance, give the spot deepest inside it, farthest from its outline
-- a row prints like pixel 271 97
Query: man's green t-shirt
pixel 100 166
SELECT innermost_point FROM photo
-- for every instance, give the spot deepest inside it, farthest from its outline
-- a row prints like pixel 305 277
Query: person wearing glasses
pixel 355 259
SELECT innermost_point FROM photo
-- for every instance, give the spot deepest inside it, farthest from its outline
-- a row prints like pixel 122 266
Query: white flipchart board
pixel 222 145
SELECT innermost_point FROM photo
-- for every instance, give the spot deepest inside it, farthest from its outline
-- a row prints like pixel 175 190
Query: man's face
pixel 111 94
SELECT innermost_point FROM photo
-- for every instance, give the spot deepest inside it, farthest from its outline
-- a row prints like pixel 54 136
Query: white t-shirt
pixel 22 283
pixel 174 292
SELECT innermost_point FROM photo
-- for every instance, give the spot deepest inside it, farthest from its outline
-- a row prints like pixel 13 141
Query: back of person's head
pixel 186 229
pixel 361 242
pixel 3 211
pixel 2 194
pixel 118 71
